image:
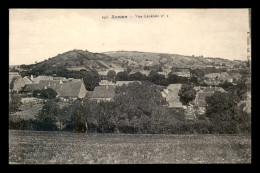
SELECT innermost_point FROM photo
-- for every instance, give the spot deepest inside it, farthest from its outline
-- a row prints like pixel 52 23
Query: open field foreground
pixel 30 147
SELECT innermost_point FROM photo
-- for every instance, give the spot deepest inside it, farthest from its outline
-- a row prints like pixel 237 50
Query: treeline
pixel 153 77
pixel 139 108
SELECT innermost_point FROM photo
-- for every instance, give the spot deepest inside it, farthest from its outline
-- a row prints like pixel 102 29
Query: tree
pixel 194 80
pixel 160 69
pixel 239 89
pixel 157 78
pixel 135 104
pixel 77 115
pixel 147 68
pixel 111 74
pixel 37 93
pixel 47 116
pixel 122 76
pixel 91 79
pixel 48 93
pixel 227 86
pixel 105 117
pixel 187 94
pixel 172 78
pixel 223 112
pixel 14 102
pixel 137 76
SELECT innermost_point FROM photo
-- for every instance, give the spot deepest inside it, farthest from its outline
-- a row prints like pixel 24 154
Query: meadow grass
pixel 32 147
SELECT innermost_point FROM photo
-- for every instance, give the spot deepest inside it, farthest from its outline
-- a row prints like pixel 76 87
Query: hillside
pixel 167 60
pixel 76 60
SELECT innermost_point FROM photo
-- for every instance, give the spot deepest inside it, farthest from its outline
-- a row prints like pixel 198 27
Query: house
pixel 120 83
pixel 106 82
pixel 224 76
pixel 16 83
pixel 164 73
pixel 71 80
pixel 183 73
pixel 235 77
pixel 39 78
pixel 102 93
pixel 213 89
pixel 212 76
pixel 59 78
pixel 43 84
pixel 200 99
pixel 27 80
pixel 13 73
pixel 217 78
pixel 171 95
pixel 199 88
pixel 144 72
pixel 72 90
pixel 103 73
pixel 29 88
pixel 54 84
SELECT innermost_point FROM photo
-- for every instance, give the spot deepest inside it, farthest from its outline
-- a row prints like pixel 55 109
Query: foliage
pixel 15 102
pixel 194 80
pixel 47 116
pixel 137 76
pixel 157 78
pixel 173 78
pixel 187 94
pixel 122 76
pixel 111 74
pixel 239 89
pixel 91 79
pixel 227 86
pixel 76 116
pixel 223 112
pixel 136 103
pixel 48 93
pixel 36 93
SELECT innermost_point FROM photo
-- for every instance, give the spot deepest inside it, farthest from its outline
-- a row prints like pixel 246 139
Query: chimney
pixel 31 77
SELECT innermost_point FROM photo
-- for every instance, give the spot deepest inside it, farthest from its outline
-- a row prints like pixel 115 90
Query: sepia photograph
pixel 129 86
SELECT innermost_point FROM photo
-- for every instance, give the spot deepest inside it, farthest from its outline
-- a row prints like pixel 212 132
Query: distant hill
pixel 79 59
pixel 168 60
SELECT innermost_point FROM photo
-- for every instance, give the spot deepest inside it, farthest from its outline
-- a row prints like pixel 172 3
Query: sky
pixel 39 34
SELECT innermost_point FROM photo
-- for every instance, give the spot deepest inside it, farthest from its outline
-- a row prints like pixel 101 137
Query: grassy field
pixel 30 147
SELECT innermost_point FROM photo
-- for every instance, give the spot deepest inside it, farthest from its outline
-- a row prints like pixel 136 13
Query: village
pixel 70 89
